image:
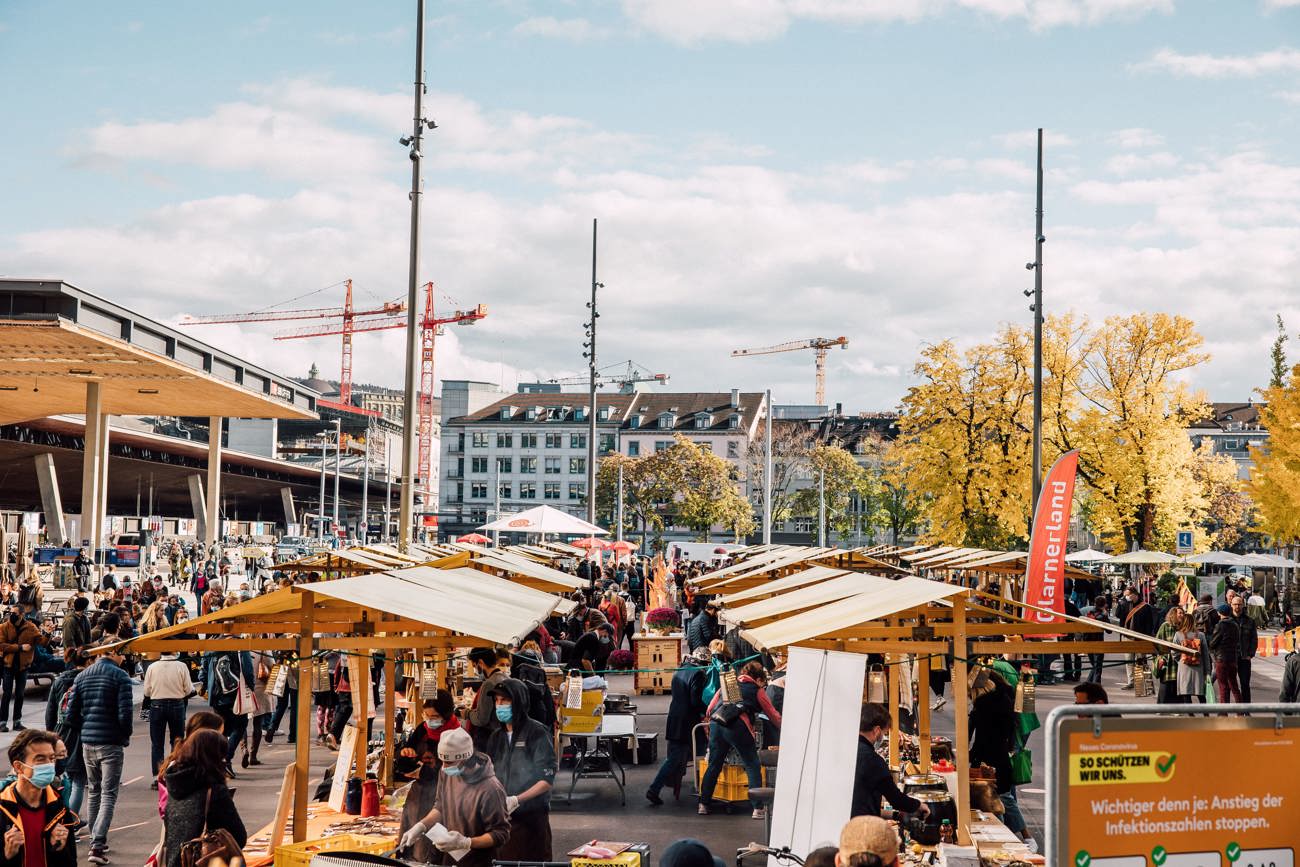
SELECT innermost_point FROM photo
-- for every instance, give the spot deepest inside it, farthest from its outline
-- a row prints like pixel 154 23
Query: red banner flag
pixel 1045 575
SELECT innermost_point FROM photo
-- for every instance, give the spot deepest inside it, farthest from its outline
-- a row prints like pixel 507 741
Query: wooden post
pixel 360 713
pixel 302 749
pixel 923 710
pixel 895 730
pixel 390 716
pixel 961 741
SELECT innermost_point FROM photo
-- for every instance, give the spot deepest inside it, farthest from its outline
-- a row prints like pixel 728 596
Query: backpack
pixel 27 594
pixel 541 705
pixel 224 682
pixel 65 705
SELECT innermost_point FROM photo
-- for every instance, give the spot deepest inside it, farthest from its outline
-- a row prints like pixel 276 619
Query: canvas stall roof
pixel 347 558
pixel 887 597
pixel 564 549
pixel 741 566
pixel 474 585
pixel 390 552
pixel 801 599
pixel 926 553
pixel 808 576
pixel 930 559
pixel 958 561
pixel 535 553
pixel 1123 633
pixel 507 562
pixel 749 570
pixel 990 558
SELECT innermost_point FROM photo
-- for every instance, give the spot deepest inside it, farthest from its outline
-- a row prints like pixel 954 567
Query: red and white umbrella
pixel 475 539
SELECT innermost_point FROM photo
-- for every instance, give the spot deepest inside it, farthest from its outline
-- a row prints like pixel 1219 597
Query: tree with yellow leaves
pixel 1275 480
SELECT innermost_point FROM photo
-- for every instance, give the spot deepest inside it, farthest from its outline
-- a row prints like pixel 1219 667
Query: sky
pixel 762 171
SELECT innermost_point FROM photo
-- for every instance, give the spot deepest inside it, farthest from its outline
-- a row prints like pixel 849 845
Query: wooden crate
pixel 657 658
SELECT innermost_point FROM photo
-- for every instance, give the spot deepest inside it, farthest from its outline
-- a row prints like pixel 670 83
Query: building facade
pixel 1232 429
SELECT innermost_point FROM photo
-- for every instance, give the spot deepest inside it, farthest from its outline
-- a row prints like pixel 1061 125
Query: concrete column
pixel 290 513
pixel 101 507
pixel 197 506
pixel 212 529
pixel 91 472
pixel 51 502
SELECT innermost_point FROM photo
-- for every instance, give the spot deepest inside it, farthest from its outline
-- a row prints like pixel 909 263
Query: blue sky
pixel 764 170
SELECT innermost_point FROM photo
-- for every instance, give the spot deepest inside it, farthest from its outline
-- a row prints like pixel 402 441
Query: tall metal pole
pixel 591 367
pixel 767 468
pixel 1038 334
pixel 388 489
pixel 496 504
pixel 338 448
pixel 618 517
pixel 410 460
pixel 821 508
pixel 364 525
pixel 320 516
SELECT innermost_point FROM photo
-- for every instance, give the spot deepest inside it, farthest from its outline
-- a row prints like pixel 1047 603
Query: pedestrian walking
pixel 76 625
pixel 198 799
pixel 685 712
pixel 228 683
pixel 287 700
pixel 56 720
pixel 731 727
pixel 101 709
pixel 1225 648
pixel 1194 660
pixel 167 688
pixel 19 638
pixel 1248 643
pixel 1166 661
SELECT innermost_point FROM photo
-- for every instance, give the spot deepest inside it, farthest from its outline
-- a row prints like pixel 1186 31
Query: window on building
pixel 528 465
pixel 663 445
pixel 802 525
pixel 527 490
pixel 552 466
pixel 578 441
pixel 634 449
pixel 528 441
pixel 478 516
pixel 505 465
pixel 480 439
pixel 606 443
pixel 460 491
pixel 478 490
pixel 554 440
pixel 577 490
pixel 505 441
pixel 478 465
pixel 460 441
pixel 457 471
pixel 577 466
pixel 733 449
pixel 552 491
pixel 705 445
pixel 504 489
pixel 1231 445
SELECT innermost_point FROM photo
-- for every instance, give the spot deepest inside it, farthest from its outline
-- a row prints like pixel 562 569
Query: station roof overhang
pixel 45 365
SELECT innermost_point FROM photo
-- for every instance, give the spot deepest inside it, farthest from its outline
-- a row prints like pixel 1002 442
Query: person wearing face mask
pixel 18 640
pixel 418 762
pixel 523 755
pixel 439 716
pixel 34 823
pixel 493 666
pixel 469 802
pixel 872 780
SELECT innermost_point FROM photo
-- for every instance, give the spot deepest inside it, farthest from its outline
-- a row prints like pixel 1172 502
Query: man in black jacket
pixel 1225 648
pixel 31 809
pixel 523 757
pixel 1248 641
pixel 872 780
pixel 685 711
pixel 101 709
pixel 703 627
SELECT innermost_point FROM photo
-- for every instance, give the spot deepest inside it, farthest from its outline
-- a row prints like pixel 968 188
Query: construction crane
pixel 626 378
pixel 389 316
pixel 818 344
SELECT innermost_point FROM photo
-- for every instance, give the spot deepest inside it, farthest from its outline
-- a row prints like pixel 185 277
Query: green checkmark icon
pixel 1082 859
pixel 1233 851
pixel 1166 766
pixel 1158 855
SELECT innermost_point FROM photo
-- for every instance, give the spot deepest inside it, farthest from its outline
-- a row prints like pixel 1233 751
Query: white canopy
pixel 1267 561
pixel 1216 558
pixel 1142 557
pixel 544 519
pixel 1087 555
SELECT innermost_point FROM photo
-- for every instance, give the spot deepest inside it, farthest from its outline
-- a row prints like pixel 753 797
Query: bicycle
pixel 782 855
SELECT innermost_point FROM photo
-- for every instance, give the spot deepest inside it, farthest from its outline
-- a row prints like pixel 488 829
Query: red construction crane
pixel 818 344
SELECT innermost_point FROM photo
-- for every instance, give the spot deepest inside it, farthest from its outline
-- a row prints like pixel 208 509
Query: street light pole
pixel 618 519
pixel 1037 266
pixel 338 449
pixel 320 516
pixel 410 460
pixel 767 469
pixel 591 369
pixel 821 508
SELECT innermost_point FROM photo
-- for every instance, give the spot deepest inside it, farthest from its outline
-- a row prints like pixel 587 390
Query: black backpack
pixel 224 682
pixel 541 706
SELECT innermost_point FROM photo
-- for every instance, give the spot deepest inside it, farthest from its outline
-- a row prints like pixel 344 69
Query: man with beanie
pixel 523 757
pixel 689 853
pixel 469 815
pixel 685 712
pixel 867 841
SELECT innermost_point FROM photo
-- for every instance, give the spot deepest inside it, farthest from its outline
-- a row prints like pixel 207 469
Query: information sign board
pixel 1173 790
pixel 1183 543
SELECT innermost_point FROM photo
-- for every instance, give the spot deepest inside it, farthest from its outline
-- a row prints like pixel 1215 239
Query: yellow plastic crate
pixel 625 859
pixel 299 854
pixel 733 782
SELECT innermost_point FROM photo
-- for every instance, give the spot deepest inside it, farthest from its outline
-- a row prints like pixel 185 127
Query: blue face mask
pixel 453 772
pixel 42 775
pixel 505 713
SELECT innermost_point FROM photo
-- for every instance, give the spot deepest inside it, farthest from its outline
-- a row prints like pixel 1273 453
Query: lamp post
pixel 320 516
pixel 1037 267
pixel 590 355
pixel 821 508
pixel 338 449
pixel 767 468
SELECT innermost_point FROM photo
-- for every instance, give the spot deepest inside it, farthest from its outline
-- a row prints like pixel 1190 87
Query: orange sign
pixel 1178 792
pixel 1045 572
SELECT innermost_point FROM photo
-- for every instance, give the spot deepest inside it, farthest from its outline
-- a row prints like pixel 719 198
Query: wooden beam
pixel 830 643
pixel 895 727
pixel 302 747
pixel 982 648
pixel 923 710
pixel 199 645
pixel 961 711
pixel 390 717
pixel 360 712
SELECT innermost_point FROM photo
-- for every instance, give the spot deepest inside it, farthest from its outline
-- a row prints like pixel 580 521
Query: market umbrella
pixel 720 550
pixel 1216 558
pixel 1087 555
pixel 544 519
pixel 1141 557
pixel 591 544
pixel 623 546
pixel 475 539
pixel 1266 561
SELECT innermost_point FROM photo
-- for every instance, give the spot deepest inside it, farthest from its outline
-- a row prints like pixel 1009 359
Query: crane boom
pixel 819 345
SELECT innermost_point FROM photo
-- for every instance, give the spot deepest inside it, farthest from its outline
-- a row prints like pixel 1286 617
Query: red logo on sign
pixel 519 522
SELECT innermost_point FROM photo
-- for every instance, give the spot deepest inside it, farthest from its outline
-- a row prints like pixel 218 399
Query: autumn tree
pixel 1227 511
pixel 792 444
pixel 901 506
pixel 842 483
pixel 1275 480
pixel 1277 357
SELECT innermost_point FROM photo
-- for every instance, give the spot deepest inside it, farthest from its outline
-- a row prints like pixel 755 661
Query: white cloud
pixel 688 22
pixel 1027 139
pixel 571 29
pixel 1291 96
pixel 1271 5
pixel 699 257
pixel 1134 138
pixel 1130 163
pixel 1279 60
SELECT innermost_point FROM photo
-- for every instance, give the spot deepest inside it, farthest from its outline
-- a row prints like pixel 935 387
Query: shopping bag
pixel 1022 767
pixel 279 680
pixel 245 701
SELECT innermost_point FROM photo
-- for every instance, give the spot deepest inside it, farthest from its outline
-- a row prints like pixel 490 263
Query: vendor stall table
pixel 601 762
pixel 657 657
pixel 260 851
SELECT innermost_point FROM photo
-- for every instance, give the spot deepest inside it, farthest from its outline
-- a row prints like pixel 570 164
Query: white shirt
pixel 167 678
